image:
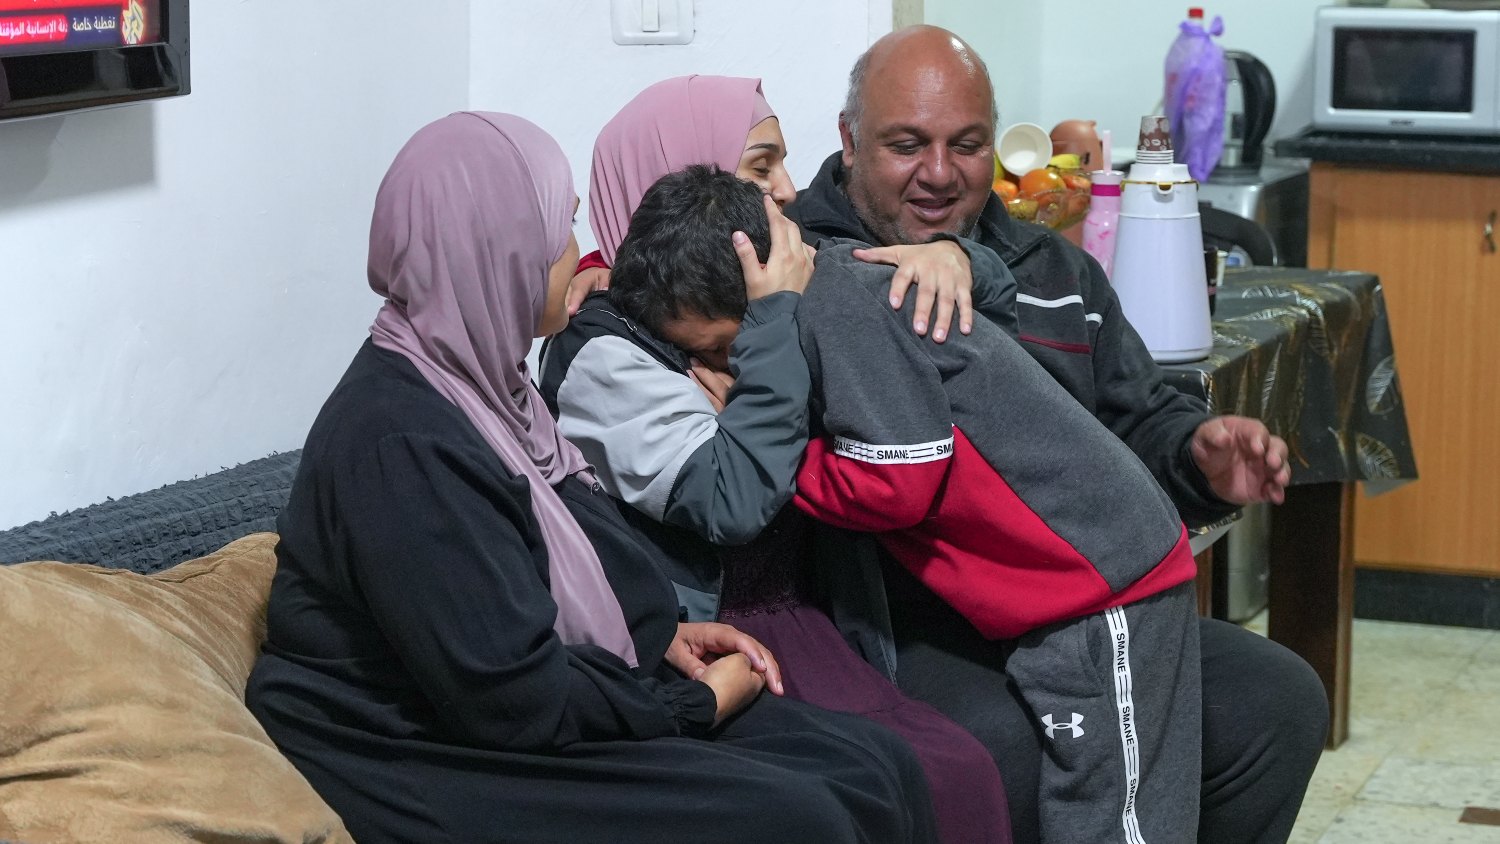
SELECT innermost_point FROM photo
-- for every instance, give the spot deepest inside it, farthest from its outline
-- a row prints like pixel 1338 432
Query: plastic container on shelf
pixel 1103 218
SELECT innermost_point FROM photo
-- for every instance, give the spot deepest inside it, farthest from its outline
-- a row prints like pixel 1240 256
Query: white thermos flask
pixel 1158 273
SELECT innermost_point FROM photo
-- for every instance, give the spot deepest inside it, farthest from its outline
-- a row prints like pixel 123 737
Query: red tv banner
pixel 31 26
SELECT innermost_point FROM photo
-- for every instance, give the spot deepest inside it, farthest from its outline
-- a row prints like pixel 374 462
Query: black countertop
pixel 1451 153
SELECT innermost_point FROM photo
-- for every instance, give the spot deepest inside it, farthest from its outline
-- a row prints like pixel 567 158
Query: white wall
pixel 555 63
pixel 1005 34
pixel 184 281
pixel 1081 59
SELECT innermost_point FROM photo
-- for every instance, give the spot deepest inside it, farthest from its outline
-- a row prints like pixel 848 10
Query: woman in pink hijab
pixel 706 461
pixel 726 121
pixel 465 640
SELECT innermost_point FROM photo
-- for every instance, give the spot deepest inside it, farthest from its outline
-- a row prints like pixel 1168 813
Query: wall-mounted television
pixel 66 55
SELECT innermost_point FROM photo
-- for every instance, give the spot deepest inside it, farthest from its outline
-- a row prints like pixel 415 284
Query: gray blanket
pixel 155 530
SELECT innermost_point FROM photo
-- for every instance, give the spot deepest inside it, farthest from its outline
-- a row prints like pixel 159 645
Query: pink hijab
pixel 473 212
pixel 667 127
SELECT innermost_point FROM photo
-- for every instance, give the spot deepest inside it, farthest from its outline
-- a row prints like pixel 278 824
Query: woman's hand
pixel 586 282
pixel 698 646
pixel 789 266
pixel 712 382
pixel 735 684
pixel 942 274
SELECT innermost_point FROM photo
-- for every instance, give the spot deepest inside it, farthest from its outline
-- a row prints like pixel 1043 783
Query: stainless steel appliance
pixel 1274 195
pixel 1242 564
pixel 1407 70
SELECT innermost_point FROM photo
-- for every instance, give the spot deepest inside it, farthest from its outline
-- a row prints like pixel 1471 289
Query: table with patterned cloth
pixel 1310 353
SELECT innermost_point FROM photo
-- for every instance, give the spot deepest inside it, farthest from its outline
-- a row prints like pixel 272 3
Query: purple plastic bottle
pixel 1194 95
pixel 1104 214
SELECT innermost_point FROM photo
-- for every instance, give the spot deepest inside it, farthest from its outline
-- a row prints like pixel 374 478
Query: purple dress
pixel 767 593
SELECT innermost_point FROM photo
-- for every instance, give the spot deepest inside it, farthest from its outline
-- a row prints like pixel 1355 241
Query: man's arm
pixel 658 445
pixel 1154 419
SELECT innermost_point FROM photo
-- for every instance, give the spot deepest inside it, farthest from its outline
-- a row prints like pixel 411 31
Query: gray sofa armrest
pixel 151 531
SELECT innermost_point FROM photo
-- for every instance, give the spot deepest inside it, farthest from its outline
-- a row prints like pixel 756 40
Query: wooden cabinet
pixel 1423 233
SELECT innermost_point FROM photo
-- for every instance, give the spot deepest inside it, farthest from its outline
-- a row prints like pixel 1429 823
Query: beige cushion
pixel 121 706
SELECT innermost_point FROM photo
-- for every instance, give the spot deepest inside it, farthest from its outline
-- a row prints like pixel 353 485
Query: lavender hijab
pixel 667 127
pixel 473 212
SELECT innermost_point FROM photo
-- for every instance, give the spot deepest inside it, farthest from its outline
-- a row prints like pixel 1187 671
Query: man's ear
pixel 848 140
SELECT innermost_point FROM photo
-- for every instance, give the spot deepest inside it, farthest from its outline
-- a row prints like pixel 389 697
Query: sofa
pixel 127 632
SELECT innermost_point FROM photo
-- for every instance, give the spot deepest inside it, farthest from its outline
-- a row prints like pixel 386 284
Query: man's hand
pixel 586 282
pixel 788 267
pixel 698 646
pixel 943 277
pixel 712 382
pixel 1243 462
pixel 735 684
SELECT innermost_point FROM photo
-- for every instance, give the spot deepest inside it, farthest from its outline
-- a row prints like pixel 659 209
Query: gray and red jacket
pixel 1070 321
pixel 980 473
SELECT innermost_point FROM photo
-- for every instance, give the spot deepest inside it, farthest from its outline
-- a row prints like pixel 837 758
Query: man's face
pixel 706 339
pixel 925 158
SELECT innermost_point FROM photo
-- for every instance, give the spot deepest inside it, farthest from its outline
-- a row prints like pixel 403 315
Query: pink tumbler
pixel 1104 214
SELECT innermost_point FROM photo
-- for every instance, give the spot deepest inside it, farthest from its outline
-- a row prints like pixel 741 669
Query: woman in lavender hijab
pixel 706 462
pixel 465 641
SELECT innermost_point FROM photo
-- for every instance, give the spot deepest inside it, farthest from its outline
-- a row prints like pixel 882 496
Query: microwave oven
pixel 1427 71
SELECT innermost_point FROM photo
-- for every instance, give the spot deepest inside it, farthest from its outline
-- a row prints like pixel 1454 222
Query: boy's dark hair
pixel 677 258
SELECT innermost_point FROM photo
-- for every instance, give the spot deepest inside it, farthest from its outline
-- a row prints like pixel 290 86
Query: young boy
pixel 993 486
pixel 983 477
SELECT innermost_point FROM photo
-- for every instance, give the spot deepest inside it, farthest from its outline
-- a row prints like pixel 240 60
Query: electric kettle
pixel 1249 107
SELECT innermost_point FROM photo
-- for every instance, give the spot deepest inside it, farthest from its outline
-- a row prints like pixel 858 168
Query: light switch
pixel 652 21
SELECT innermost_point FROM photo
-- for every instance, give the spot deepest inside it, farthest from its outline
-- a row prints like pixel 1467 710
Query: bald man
pixel 918 131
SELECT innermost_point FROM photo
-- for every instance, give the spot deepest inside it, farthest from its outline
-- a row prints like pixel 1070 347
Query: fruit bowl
pixel 1056 196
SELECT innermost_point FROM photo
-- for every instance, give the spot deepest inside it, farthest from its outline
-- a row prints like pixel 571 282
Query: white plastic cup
pixel 1024 147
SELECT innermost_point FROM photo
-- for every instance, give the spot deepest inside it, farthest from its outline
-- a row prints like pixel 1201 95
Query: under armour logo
pixel 1073 725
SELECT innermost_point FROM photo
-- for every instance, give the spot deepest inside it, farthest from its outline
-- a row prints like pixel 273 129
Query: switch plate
pixel 652 21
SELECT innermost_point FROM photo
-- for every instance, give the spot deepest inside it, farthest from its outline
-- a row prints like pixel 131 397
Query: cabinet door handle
pixel 1489 232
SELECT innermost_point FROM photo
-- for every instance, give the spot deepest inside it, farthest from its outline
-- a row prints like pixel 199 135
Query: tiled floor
pixel 1424 740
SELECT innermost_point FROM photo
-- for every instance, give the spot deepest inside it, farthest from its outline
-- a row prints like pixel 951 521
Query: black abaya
pixel 412 674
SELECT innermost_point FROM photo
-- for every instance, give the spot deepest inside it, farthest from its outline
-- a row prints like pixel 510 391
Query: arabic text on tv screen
pixel 56 26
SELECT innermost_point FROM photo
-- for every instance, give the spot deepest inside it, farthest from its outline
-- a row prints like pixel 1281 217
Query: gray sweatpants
pixel 1118 700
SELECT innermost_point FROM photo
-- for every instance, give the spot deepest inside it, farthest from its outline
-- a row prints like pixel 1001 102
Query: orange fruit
pixel 1049 199
pixel 1007 189
pixel 1077 181
pixel 1076 205
pixel 1041 181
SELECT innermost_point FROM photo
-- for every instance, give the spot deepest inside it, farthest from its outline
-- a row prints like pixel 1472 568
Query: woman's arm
pixel 440 557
